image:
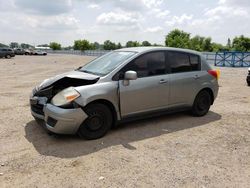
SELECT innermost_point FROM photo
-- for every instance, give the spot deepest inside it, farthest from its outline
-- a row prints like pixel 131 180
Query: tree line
pixel 175 38
pixel 181 39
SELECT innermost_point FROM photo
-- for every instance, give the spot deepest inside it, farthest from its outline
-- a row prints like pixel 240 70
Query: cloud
pixel 44 7
pixel 154 29
pixel 131 5
pixel 94 6
pixel 118 18
pixel 152 3
pixel 179 20
pixel 158 13
pixel 237 3
pixel 6 6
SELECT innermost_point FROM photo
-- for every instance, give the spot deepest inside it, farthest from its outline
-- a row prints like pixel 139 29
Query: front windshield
pixel 107 63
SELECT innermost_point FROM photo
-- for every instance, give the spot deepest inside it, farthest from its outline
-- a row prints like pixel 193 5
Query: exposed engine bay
pixel 44 93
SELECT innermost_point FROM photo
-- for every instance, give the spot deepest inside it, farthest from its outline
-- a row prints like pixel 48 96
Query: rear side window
pixel 183 62
pixel 195 62
pixel 179 62
pixel 150 64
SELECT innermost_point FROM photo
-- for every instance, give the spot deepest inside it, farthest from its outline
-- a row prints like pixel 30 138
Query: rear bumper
pixel 61 121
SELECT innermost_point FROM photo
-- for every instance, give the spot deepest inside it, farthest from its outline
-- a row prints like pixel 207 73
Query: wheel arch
pixel 110 105
pixel 210 91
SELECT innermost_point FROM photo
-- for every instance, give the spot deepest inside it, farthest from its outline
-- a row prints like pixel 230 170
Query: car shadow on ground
pixel 62 146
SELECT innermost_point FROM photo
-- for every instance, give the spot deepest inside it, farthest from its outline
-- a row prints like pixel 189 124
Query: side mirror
pixel 130 75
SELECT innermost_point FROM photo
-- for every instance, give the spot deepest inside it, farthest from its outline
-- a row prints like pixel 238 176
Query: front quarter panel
pixel 99 91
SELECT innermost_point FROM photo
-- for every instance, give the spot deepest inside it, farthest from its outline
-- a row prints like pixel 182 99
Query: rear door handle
pixel 196 77
pixel 163 81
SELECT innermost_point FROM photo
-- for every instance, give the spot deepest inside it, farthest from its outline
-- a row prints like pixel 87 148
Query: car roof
pixel 149 49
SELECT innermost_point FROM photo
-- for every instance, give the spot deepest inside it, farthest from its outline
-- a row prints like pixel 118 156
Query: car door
pixel 150 91
pixel 184 80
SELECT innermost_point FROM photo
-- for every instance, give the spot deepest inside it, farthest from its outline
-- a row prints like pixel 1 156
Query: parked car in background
pixel 248 77
pixel 7 53
pixel 39 52
pixel 19 51
pixel 27 52
pixel 124 84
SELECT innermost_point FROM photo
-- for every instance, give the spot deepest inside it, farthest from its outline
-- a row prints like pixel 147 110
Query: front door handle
pixel 196 77
pixel 163 81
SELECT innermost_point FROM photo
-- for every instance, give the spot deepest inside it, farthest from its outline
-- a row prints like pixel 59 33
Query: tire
pixel 202 104
pixel 26 53
pixel 8 56
pixel 98 123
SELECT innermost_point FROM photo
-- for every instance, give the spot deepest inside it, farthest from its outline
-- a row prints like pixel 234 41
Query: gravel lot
pixel 175 150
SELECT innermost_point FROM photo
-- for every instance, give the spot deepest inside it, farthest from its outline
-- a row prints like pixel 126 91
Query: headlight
pixel 65 96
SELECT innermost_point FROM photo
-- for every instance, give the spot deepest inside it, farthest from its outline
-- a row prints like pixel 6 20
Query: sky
pixel 43 21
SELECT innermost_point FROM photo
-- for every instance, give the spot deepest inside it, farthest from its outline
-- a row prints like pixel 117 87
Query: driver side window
pixel 150 64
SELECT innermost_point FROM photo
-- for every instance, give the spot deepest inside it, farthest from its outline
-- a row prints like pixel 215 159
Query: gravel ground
pixel 169 151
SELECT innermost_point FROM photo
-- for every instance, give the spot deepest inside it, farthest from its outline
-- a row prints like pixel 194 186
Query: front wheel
pixel 8 56
pixel 98 123
pixel 201 104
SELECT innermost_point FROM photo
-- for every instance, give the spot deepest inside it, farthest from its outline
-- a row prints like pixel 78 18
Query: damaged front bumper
pixel 58 120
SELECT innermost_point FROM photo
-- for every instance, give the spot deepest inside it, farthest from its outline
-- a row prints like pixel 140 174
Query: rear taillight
pixel 214 73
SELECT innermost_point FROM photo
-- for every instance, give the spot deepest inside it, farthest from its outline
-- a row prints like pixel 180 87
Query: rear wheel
pixel 98 123
pixel 201 104
pixel 8 56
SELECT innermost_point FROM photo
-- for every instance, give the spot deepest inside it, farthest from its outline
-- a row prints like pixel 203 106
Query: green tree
pixel 26 46
pixel 241 43
pixel 155 44
pixel 119 46
pixel 146 43
pixel 178 39
pixel 96 45
pixel 108 45
pixel 216 47
pixel 14 45
pixel 132 44
pixel 229 44
pixel 55 46
pixel 207 45
pixel 3 45
pixel 82 45
pixel 68 48
pixel 43 45
pixel 196 43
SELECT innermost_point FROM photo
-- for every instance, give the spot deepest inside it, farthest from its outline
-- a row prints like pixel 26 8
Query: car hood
pixel 73 78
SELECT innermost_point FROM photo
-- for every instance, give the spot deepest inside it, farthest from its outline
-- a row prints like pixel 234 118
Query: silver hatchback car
pixel 123 84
